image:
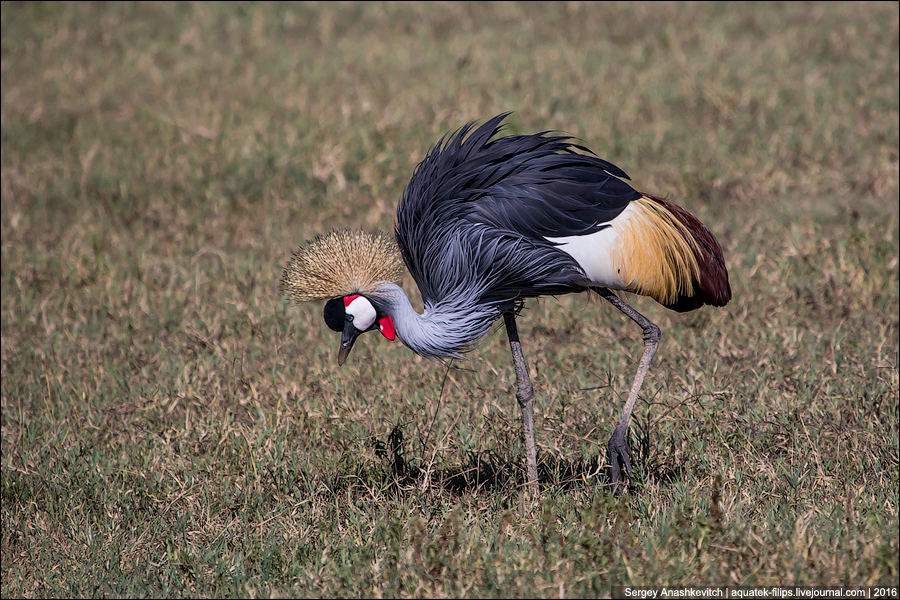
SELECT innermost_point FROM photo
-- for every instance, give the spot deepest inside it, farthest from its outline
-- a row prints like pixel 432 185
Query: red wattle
pixel 386 327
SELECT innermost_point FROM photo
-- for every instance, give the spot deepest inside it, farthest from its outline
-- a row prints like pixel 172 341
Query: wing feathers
pixel 474 220
pixel 485 206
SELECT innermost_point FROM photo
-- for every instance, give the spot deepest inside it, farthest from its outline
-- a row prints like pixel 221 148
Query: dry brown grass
pixel 171 426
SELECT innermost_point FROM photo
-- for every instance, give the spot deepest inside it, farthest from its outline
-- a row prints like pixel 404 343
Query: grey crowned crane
pixel 486 222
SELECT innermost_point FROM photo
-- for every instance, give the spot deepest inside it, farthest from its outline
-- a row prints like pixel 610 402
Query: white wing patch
pixel 599 254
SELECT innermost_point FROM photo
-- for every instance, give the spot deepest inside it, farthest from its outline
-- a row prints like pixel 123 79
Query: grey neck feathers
pixel 444 330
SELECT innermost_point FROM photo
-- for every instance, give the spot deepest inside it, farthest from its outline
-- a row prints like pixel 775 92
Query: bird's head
pixel 353 315
pixel 347 268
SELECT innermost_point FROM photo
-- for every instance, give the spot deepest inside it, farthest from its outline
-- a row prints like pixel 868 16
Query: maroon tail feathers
pixel 713 287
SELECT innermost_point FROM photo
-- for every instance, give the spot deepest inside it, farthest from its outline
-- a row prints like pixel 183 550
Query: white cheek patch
pixel 363 313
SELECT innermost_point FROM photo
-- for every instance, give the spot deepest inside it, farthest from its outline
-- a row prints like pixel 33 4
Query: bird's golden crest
pixel 341 263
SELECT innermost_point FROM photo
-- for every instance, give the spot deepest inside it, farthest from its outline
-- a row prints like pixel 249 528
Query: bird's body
pixel 485 223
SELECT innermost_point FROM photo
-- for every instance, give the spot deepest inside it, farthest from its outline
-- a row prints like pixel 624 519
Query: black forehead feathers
pixel 334 314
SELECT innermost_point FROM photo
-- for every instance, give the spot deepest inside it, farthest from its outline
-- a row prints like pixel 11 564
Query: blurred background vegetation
pixel 171 427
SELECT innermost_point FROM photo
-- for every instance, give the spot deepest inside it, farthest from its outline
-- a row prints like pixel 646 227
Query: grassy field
pixel 173 427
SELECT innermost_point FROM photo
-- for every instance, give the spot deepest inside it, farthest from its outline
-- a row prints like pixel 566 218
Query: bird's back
pixel 485 221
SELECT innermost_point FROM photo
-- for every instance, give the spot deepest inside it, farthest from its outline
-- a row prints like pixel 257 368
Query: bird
pixel 489 220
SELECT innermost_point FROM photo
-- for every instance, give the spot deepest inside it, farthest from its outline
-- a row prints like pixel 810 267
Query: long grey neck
pixel 443 330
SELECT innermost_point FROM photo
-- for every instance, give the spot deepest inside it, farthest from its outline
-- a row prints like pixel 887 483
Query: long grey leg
pixel 619 452
pixel 525 396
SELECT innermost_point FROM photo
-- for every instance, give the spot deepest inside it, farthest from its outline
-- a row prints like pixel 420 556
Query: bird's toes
pixel 619 458
pixel 625 457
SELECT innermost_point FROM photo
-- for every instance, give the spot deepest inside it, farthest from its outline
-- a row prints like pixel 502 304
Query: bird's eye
pixel 349 318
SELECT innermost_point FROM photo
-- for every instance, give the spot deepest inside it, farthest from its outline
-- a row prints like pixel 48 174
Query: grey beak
pixel 348 336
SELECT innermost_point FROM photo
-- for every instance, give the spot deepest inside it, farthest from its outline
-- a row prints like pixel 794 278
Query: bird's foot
pixel 619 458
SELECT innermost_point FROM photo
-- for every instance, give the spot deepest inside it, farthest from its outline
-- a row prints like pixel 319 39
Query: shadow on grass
pixel 396 473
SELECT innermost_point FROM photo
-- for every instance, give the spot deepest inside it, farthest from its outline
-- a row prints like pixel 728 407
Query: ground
pixel 171 426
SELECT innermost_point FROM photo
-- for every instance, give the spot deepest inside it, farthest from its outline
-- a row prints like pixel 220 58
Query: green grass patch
pixel 172 427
